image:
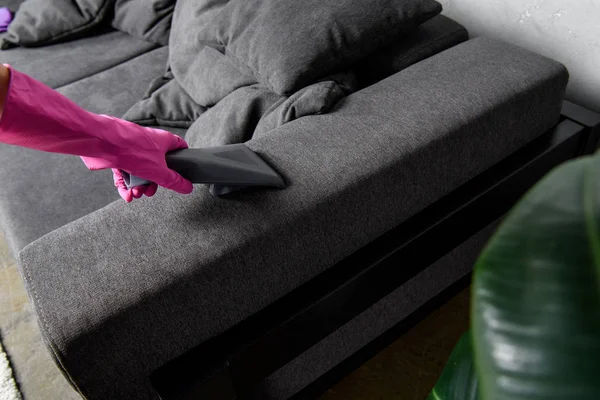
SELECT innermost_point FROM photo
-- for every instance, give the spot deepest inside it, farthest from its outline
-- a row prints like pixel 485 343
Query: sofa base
pixel 350 364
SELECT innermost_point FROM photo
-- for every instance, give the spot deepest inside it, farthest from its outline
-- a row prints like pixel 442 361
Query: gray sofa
pixel 115 303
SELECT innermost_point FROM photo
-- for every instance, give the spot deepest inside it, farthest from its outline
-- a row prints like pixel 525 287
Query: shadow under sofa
pixel 261 294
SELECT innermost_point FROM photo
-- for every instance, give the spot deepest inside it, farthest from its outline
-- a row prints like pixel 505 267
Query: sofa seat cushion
pixel 39 191
pixel 60 64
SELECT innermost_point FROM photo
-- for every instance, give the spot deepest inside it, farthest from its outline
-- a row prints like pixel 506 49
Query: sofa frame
pixel 230 365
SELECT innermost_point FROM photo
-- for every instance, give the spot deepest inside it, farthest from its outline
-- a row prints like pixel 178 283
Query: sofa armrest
pixel 125 289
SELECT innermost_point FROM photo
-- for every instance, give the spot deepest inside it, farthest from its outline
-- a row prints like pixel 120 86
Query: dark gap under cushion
pixel 60 64
pixel 40 191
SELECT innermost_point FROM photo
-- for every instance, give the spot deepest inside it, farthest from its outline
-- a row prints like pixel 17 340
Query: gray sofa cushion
pixel 145 19
pixel 40 22
pixel 151 279
pixel 340 31
pixel 60 64
pixel 39 191
pixel 114 91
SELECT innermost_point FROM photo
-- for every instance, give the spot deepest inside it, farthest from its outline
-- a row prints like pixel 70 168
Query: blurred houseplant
pixel 535 307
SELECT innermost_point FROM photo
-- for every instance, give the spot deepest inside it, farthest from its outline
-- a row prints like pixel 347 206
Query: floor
pixel 405 370
pixel 409 367
pixel 34 370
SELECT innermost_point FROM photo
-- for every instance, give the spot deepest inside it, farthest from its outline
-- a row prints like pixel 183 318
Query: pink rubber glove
pixel 136 192
pixel 40 118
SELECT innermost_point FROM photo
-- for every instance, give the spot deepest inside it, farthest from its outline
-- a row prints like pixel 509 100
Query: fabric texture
pixel 60 64
pixel 200 263
pixel 165 103
pixel 341 32
pixel 32 200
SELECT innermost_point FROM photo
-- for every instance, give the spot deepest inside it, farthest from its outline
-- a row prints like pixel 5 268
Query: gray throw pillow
pixel 149 20
pixel 40 22
pixel 288 44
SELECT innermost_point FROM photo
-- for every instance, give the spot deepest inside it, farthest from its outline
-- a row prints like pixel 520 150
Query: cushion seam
pixel 160 121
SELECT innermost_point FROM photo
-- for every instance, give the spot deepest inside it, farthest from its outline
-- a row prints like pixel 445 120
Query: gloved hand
pixel 38 117
pixel 136 192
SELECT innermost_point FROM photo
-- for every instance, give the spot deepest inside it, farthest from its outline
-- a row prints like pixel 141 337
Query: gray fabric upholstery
pixel 230 120
pixel 165 103
pixel 314 99
pixel 373 322
pixel 39 191
pixel 63 63
pixel 341 32
pixel 149 280
pixel 145 19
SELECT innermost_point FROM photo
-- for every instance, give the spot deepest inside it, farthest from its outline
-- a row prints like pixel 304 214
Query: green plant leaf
pixel 536 299
pixel 458 380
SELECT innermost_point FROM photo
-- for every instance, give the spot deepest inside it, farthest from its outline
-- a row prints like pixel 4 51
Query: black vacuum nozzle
pixel 226 168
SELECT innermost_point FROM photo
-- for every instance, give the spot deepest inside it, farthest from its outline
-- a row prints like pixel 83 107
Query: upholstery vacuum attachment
pixel 226 168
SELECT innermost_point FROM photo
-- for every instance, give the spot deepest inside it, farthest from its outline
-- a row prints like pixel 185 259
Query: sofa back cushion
pixel 145 19
pixel 290 43
pixel 43 22
pixel 430 38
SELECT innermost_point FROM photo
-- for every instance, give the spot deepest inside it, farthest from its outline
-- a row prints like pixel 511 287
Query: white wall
pixel 566 30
